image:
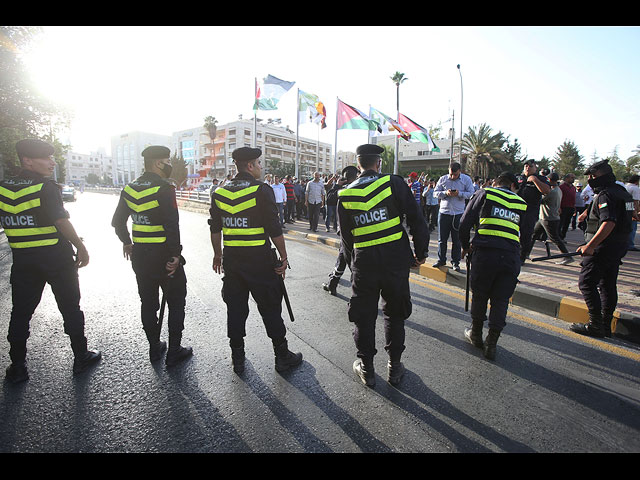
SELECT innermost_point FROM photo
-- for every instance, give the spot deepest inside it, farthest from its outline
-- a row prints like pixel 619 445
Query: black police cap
pixel 369 149
pixel 601 166
pixel 156 152
pixel 349 170
pixel 246 154
pixel 511 177
pixel 34 148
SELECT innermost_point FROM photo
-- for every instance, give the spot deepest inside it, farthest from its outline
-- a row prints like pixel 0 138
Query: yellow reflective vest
pixel 501 214
pixel 375 219
pixel 141 196
pixel 237 203
pixel 21 214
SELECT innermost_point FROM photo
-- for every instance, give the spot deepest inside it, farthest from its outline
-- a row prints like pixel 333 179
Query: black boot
pixel 395 371
pixel 594 328
pixel 489 348
pixel 17 372
pixel 237 355
pixel 156 347
pixel 83 357
pixel 156 350
pixel 364 369
pixel 474 334
pixel 176 352
pixel 285 359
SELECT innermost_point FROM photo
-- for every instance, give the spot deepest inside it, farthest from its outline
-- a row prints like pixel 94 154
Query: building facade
pixel 126 151
pixel 79 166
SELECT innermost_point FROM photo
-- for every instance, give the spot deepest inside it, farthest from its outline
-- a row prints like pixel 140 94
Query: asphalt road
pixel 547 391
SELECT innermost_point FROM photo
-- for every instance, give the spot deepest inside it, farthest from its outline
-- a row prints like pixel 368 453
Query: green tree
pixel 178 170
pixel 388 159
pixel 484 151
pixel 24 113
pixel 618 166
pixel 567 159
pixel 633 162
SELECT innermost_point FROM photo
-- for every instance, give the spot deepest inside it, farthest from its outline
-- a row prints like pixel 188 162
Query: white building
pixel 126 151
pixel 79 165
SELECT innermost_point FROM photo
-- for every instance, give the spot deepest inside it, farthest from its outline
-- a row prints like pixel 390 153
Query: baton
pixel 559 255
pixel 164 295
pixel 466 294
pixel 278 263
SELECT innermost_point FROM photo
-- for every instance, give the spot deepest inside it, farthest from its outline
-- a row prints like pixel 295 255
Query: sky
pixel 540 85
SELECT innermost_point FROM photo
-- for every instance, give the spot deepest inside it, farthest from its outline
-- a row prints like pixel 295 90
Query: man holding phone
pixel 452 190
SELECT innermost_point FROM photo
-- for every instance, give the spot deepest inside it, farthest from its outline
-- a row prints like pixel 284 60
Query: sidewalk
pixel 543 286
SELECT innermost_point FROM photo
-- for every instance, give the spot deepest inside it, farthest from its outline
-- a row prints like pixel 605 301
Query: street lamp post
pixel 461 100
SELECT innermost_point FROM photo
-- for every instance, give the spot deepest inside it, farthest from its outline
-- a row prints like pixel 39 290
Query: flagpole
pixel 297 128
pixel 255 112
pixel 335 143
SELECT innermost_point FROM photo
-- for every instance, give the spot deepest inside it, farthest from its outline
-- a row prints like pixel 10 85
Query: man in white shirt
pixel 314 200
pixel 633 188
pixel 280 192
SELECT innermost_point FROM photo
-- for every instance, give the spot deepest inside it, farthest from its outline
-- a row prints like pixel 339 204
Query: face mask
pixel 602 180
pixel 166 169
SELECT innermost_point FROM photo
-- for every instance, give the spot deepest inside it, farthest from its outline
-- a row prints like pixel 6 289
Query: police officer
pixel 244 217
pixel 496 214
pixel 349 174
pixel 609 218
pixel 155 251
pixel 531 188
pixel 40 236
pixel 376 245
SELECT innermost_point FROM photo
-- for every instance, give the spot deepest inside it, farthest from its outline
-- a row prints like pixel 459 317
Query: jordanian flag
pixel 418 133
pixel 269 92
pixel 351 118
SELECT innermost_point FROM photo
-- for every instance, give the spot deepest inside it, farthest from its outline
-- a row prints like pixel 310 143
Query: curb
pixel 624 325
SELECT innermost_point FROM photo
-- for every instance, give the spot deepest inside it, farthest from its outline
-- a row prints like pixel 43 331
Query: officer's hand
pixel 282 268
pixel 217 264
pixel 127 250
pixel 172 265
pixel 585 250
pixel 582 216
pixel 465 252
pixel 83 257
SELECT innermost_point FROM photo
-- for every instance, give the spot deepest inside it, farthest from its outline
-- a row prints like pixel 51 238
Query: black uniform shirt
pixel 393 253
pixel 168 208
pixel 267 210
pixel 528 190
pixel 611 204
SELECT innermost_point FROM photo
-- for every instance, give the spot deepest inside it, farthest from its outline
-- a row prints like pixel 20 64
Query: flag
pixel 387 125
pixel 269 92
pixel 311 108
pixel 321 115
pixel 418 133
pixel 352 118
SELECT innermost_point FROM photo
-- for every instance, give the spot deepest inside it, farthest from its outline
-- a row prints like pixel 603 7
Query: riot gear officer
pixel 376 245
pixel 155 251
pixel 40 236
pixel 609 218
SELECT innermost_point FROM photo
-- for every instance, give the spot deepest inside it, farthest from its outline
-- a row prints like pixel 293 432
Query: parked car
pixel 68 193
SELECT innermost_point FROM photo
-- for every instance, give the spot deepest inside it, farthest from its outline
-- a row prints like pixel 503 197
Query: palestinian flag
pixel 269 92
pixel 351 118
pixel 418 133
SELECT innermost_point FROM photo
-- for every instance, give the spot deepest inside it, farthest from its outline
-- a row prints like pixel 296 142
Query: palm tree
pixel 210 126
pixel 484 150
pixel 397 78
